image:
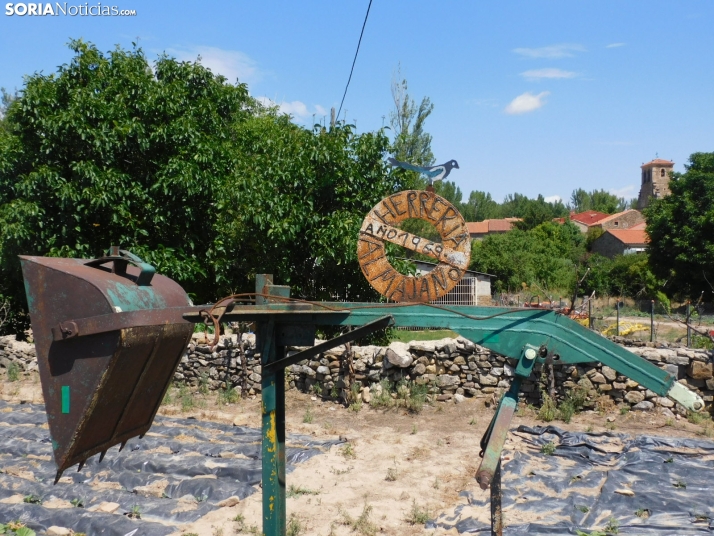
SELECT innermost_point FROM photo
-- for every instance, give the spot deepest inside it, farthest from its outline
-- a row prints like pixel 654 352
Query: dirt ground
pixel 394 469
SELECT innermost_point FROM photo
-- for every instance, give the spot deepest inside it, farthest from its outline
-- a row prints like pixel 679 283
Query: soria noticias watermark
pixel 57 9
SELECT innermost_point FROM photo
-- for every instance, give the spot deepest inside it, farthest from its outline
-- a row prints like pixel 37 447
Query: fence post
pixel 689 329
pixel 590 314
pixel 652 333
pixel 617 323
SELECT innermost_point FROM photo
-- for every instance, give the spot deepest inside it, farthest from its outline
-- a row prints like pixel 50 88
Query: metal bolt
pixel 530 354
pixel 698 404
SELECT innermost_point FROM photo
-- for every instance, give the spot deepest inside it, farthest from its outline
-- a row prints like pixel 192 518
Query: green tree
pixel 681 230
pixel 186 170
pixel 544 256
pixel 411 142
pixel 481 206
pixel 599 200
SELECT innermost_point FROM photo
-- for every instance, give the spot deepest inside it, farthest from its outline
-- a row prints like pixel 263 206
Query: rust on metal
pixel 108 343
pixel 381 225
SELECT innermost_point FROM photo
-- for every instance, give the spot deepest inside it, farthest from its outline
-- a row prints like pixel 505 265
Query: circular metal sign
pixel 381 224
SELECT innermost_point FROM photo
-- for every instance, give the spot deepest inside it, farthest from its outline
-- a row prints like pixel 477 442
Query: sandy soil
pixel 396 462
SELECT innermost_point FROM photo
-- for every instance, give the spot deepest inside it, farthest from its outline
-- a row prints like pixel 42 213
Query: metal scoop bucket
pixel 109 336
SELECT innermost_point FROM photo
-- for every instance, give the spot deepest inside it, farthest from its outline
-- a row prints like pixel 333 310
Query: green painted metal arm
pixel 507 331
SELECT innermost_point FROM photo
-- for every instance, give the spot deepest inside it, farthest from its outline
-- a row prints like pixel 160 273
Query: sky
pixel 535 97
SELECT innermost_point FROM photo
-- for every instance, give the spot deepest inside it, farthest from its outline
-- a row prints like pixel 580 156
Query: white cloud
pixel 563 50
pixel 298 110
pixel 615 45
pixel 526 103
pixel 627 192
pixel 232 64
pixel 550 72
pixel 553 199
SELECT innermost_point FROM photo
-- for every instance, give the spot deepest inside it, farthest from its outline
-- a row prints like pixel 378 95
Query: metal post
pixel 652 331
pixel 617 325
pixel 273 434
pixel 590 313
pixel 689 329
pixel 496 511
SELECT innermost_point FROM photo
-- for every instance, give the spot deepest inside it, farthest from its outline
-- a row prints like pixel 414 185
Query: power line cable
pixel 355 59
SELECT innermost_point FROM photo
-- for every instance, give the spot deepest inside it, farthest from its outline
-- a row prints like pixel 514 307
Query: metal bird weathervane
pixel 433 173
pixel 110 333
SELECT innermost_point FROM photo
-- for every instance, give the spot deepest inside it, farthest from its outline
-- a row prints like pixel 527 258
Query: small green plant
pixel 186 398
pixel 392 474
pixel 77 503
pixel 643 513
pixel 417 515
pixel 317 389
pixel 32 499
pixel 548 449
pixel 610 425
pixel 589 429
pixel 333 392
pixel 229 395
pixel 613 526
pixel 414 429
pixel 435 484
pixel 201 498
pixel 203 383
pixel 416 398
pixel 669 422
pixel 348 451
pixel 669 460
pixel 680 484
pixel 16 528
pixel 624 410
pixel 696 417
pixel 548 410
pixel 579 532
pixel 295 526
pixel 382 397
pixel 363 525
pixel 308 416
pixel 13 372
pixel 584 509
pixel 298 491
pixel 168 398
pixel 134 512
pixel 472 421
pixel 356 406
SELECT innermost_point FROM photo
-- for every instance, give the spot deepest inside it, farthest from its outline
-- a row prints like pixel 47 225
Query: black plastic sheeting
pixel 202 463
pixel 575 488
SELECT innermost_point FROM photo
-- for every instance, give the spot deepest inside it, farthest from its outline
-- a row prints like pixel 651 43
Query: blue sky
pixel 530 97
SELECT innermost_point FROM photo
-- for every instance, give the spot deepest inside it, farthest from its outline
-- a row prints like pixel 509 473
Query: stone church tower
pixel 655 181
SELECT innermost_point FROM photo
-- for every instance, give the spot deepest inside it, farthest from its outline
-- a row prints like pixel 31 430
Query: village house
pixel 473 289
pixel 479 229
pixel 615 242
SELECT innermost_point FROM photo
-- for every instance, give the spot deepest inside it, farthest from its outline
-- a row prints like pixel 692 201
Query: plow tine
pixel 101 456
pixel 58 476
pixel 122 446
pixel 81 464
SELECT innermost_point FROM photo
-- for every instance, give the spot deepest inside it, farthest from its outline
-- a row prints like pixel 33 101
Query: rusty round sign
pixel 382 224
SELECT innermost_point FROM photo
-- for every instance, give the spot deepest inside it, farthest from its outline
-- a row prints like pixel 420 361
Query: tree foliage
pixel 187 171
pixel 681 230
pixel 624 276
pixel 599 200
pixel 545 256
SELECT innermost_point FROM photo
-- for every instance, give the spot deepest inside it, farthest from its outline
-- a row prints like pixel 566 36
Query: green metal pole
pixel 273 434
pixel 652 330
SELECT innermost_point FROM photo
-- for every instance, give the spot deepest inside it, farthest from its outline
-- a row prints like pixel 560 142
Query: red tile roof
pixel 639 226
pixel 657 162
pixel 477 227
pixel 491 226
pixel 589 217
pixel 631 237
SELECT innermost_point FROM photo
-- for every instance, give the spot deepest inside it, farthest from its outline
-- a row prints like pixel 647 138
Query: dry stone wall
pixel 453 369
